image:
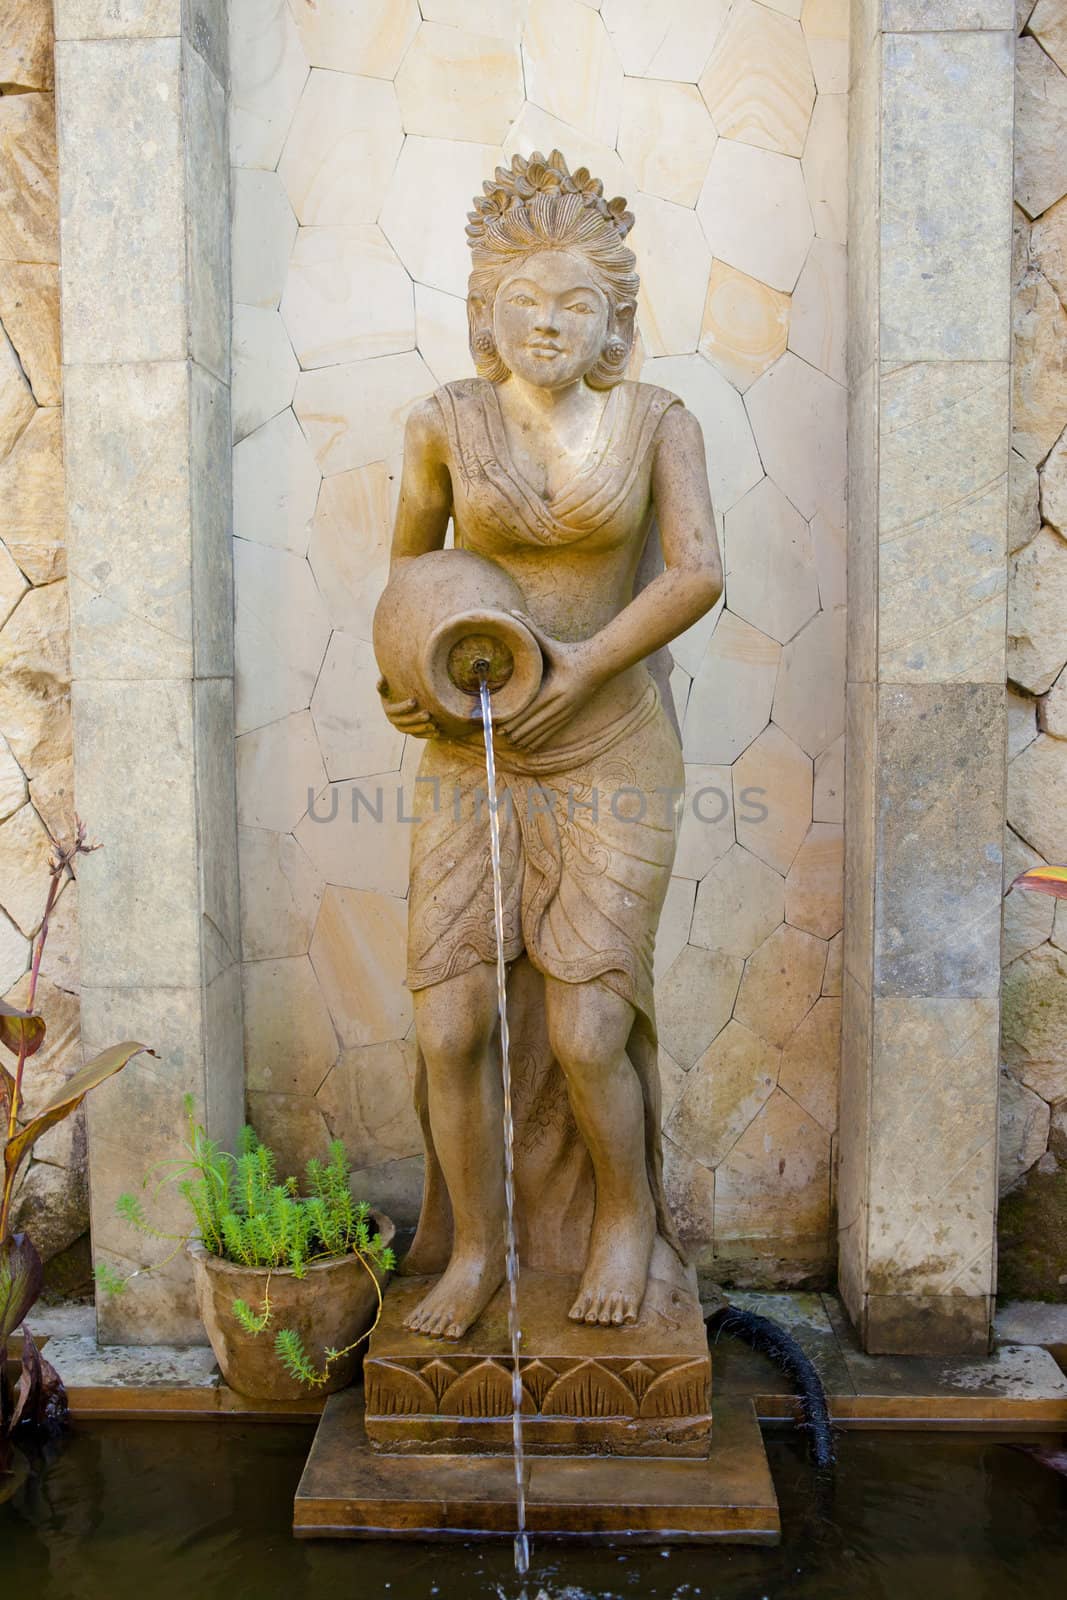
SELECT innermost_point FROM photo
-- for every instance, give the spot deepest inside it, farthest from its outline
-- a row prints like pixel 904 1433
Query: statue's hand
pixel 407 715
pixel 568 683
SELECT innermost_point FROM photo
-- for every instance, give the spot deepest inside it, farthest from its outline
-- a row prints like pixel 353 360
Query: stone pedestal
pixel 351 1491
pixel 643 1390
pixel 617 1430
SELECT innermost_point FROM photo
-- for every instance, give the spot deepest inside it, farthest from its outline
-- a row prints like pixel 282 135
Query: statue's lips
pixel 546 349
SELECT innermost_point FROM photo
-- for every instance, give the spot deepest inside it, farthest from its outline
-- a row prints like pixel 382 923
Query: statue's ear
pixel 478 311
pixel 625 312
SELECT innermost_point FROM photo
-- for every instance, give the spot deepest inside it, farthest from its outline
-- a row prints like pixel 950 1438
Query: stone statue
pixel 585 541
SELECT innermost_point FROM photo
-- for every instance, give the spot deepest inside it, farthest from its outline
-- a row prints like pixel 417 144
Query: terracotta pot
pixel 440 616
pixel 330 1306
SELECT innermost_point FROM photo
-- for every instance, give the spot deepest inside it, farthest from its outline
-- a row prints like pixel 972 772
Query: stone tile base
pixel 350 1491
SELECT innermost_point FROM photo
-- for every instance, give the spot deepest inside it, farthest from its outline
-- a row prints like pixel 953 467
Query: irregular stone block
pixel 358 952
pixel 31 492
pixel 810 1062
pixel 1024 1129
pixel 341 149
pixel 264 368
pixel 798 418
pixel 367 38
pixel 351 571
pixel 29 199
pixel 769 563
pixel 25 851
pixel 347 297
pixel 775 1182
pixel 264 229
pixel 280 614
pixel 354 414
pixel 290 1044
pixel 26 45
pixel 1054 488
pixel 772 798
pixel 359 833
pixel 29 310
pixel 722 1093
pixel 1040 129
pixel 694 1001
pixel 673 261
pixel 368 1100
pixel 824 164
pixel 279 773
pixel 1048 246
pixel 815 657
pixel 35 680
pixel 1037 604
pixel 755 212
pixel 937 926
pixel 817 317
pixel 1037 795
pixel 944 246
pixel 1052 709
pixel 1024 511
pixel 458 84
pixel 665 138
pixel 745 324
pixel 354 736
pixel 814 887
pixel 12 585
pixel 738 905
pixel 734 467
pixel 280 895
pixel 664 43
pixel 781 983
pixel 571 67
pixel 16 400
pixel 1039 367
pixel 268 70
pixel 1034 1021
pixel 758 82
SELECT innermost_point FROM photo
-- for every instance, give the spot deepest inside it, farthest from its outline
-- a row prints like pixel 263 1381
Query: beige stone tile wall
pixel 36 766
pixel 359 136
pixel 1033 1102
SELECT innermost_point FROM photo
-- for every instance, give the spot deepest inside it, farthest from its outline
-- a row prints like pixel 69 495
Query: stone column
pixel 929 344
pixel 145 320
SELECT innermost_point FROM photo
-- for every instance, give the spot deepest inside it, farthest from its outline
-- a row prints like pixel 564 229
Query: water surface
pixel 201 1511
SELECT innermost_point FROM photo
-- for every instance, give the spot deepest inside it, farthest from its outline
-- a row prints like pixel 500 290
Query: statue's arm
pixel 688 587
pixel 422 514
pixel 425 503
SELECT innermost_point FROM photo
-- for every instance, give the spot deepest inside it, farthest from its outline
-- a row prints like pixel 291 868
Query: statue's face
pixel 550 320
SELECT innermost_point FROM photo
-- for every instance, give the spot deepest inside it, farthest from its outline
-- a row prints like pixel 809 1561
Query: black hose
pixel 761 1334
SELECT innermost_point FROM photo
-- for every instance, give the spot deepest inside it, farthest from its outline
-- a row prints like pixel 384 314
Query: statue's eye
pixel 582 307
pixel 521 300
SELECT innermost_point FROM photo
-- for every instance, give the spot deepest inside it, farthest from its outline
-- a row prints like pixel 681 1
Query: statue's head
pixel 553 286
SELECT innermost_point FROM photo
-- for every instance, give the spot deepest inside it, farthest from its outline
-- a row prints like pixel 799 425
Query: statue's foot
pixel 616 1273
pixel 458 1298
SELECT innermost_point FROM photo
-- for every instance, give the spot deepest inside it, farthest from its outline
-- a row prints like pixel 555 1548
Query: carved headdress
pixel 539 204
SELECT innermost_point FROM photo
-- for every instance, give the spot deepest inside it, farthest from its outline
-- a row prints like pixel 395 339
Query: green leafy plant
pixel 36 1399
pixel 244 1214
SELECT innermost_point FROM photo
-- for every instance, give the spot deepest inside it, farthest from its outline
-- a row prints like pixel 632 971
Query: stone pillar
pixel 930 150
pixel 145 320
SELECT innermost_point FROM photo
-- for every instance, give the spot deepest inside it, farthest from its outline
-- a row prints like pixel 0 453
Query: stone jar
pixel 329 1307
pixel 442 614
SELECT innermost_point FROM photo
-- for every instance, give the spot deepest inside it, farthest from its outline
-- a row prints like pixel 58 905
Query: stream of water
pixel 522 1543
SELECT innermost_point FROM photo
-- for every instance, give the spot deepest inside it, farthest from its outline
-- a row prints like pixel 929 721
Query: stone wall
pixel 358 139
pixel 36 768
pixel 1033 1149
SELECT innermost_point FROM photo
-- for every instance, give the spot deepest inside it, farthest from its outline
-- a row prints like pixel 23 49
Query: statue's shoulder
pixel 650 399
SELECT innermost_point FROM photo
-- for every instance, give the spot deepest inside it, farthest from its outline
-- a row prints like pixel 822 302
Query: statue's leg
pixel 454 1021
pixel 589 1027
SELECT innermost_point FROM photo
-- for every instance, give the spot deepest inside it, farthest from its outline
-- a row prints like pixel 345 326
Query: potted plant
pixel 310 1267
pixel 35 1400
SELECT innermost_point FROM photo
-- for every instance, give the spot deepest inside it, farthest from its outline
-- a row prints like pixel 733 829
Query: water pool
pixel 154 1511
